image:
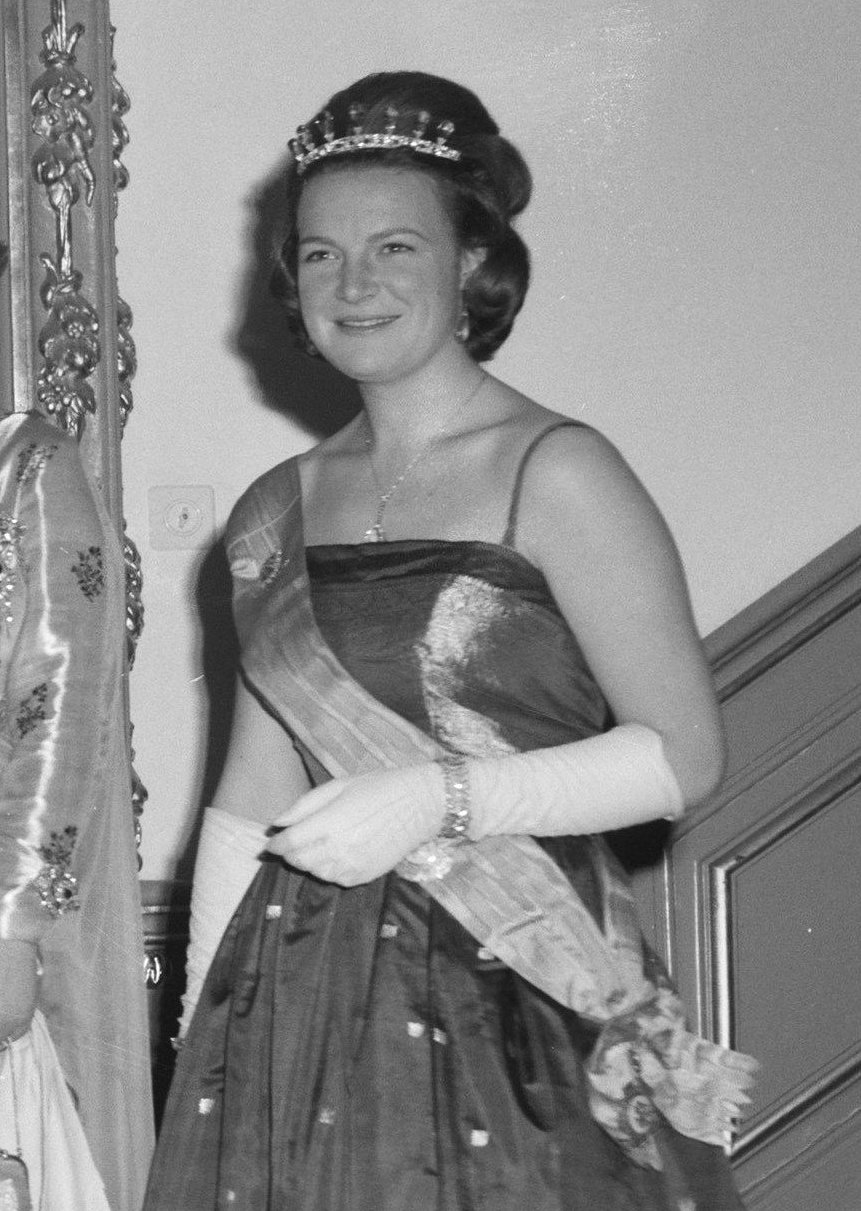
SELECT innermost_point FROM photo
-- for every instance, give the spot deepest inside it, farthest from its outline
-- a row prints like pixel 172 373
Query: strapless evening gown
pixel 356 1049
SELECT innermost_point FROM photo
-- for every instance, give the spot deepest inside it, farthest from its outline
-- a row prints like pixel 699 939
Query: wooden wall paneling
pixel 756 901
pixel 165 922
pixel 821 1174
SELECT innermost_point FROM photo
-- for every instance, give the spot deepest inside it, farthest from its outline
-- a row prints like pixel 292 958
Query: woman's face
pixel 379 271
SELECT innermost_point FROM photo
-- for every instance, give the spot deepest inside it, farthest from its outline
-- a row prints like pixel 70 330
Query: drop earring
pixel 461 332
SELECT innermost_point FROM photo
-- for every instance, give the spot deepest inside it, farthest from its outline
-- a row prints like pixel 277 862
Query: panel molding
pixel 788 672
pixel 716 874
pixel 770 1179
pixel 797 610
pixel 831 718
pixel 805 1098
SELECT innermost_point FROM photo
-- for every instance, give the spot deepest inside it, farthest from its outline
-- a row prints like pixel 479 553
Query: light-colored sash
pixel 509 894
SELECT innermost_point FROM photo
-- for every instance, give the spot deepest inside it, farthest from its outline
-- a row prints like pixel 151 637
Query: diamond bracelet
pixel 456 781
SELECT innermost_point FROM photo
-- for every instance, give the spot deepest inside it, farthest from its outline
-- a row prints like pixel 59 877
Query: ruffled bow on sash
pixel 516 901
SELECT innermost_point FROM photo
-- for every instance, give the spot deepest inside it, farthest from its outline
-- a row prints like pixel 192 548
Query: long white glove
pixel 228 858
pixel 352 830
pixel 611 781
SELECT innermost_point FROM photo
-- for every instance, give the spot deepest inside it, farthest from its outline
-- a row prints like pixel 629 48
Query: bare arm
pixel 263 773
pixel 615 573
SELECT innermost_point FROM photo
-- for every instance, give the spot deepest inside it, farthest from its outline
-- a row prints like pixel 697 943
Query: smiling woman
pixel 467 651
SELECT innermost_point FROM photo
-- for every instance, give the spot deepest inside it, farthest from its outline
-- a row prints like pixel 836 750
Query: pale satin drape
pixel 71 769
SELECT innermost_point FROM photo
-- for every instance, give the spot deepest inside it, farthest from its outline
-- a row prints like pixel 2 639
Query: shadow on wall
pixel 302 388
pixel 219 662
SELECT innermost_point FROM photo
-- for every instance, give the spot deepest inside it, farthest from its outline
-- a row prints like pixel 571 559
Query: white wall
pixel 696 285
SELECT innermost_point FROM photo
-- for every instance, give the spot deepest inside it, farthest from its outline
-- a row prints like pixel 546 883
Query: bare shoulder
pixel 573 462
pixel 551 438
pixel 574 453
pixel 579 494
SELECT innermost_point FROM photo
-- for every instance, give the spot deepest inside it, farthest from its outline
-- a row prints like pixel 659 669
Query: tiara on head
pixel 316 139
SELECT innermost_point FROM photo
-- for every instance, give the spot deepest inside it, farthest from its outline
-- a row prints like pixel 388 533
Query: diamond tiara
pixel 316 140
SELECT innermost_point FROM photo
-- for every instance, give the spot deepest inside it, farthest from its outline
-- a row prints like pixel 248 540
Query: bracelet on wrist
pixel 455 774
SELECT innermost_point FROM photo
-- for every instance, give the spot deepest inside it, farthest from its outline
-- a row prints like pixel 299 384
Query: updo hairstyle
pixel 482 192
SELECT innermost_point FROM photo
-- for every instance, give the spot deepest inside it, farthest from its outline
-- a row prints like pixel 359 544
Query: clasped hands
pixel 352 830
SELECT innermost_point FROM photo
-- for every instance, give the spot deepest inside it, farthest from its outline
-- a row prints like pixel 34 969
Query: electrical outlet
pixel 181 517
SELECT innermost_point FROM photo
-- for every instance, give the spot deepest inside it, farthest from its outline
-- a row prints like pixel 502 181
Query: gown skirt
pixel 356 1049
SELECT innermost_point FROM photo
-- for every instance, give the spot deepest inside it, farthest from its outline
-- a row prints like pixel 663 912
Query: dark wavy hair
pixel 482 192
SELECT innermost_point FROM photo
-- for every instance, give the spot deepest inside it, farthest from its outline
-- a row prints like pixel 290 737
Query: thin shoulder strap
pixel 514 508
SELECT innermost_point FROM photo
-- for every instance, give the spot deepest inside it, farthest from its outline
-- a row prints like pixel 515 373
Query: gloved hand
pixel 227 860
pixel 352 830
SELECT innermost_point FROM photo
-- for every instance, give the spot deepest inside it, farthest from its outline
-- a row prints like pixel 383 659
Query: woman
pixel 417 1004
pixel 75 1102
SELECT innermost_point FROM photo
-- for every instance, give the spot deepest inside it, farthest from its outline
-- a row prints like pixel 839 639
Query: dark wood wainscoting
pixel 754 898
pixel 165 924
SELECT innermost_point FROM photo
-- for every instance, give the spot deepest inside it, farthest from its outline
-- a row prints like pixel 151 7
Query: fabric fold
pixel 68 861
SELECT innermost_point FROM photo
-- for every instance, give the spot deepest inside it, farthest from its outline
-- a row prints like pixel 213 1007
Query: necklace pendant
pixel 374 534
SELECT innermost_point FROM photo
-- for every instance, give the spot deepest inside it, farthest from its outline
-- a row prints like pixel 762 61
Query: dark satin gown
pixel 359 1050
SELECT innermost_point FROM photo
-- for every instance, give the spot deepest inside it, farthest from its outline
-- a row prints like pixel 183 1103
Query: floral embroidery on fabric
pixel 32 459
pixel 32 710
pixel 271 566
pixel 56 885
pixel 11 532
pixel 90 572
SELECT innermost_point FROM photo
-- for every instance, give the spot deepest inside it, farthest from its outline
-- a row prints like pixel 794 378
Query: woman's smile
pixel 360 326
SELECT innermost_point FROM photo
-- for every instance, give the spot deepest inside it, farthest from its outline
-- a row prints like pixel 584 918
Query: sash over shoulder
pixel 509 893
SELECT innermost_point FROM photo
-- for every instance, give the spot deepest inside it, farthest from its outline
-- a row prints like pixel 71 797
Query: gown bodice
pixel 463 639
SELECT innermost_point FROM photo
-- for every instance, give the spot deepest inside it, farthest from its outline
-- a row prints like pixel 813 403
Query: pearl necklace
pixel 375 532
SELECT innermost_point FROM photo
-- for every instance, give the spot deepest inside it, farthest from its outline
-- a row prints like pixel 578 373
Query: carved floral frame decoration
pixel 65 333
